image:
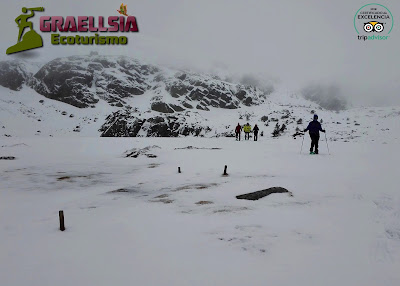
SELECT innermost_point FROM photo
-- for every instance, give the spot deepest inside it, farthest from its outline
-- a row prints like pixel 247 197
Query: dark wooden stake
pixel 179 170
pixel 225 173
pixel 61 215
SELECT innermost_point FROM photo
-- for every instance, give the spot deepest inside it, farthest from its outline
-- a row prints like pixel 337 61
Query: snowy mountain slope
pixel 84 80
pixel 24 114
pixel 130 98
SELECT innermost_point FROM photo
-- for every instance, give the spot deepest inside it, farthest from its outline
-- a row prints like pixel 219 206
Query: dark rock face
pixel 176 107
pixel 166 108
pixel 187 105
pixel 126 123
pixel 211 92
pixel 13 74
pixel 82 80
pixel 260 194
pixel 167 98
pixel 65 83
pixel 161 107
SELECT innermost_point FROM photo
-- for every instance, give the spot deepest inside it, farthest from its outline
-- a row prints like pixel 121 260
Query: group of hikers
pixel 247 130
pixel 313 128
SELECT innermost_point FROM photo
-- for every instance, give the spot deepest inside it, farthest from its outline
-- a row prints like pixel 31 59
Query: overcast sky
pixel 297 41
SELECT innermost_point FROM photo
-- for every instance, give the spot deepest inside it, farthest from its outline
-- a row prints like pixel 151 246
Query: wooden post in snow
pixel 61 216
pixel 225 173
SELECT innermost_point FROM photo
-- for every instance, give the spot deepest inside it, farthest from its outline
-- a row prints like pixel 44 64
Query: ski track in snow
pixel 387 243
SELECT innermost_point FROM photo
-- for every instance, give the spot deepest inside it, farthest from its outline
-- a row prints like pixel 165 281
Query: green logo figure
pixel 31 39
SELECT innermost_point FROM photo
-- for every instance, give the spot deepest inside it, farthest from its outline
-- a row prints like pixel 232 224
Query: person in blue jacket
pixel 314 127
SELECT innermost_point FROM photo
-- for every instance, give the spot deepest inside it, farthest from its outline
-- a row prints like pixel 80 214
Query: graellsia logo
pixel 83 24
pixel 31 39
pixel 373 22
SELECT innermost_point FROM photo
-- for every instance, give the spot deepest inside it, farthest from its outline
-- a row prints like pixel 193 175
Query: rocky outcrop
pixel 14 74
pixel 83 80
pixel 147 151
pixel 126 123
pixel 263 193
pixel 208 91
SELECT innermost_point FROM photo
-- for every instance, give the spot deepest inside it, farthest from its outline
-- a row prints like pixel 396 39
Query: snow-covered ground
pixel 135 221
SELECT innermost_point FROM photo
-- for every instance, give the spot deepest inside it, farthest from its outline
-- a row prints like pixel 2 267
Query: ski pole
pixel 302 144
pixel 326 140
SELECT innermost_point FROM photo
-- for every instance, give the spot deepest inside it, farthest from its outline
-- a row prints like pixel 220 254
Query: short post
pixel 61 216
pixel 225 173
pixel 179 170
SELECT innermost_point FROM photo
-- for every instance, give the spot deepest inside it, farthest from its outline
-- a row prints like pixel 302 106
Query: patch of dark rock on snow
pixel 263 193
pixel 124 190
pixel 165 201
pixel 136 152
pixel 393 234
pixel 161 196
pixel 197 148
pixel 7 158
pixel 69 178
pixel 152 166
pixel 195 186
pixel 204 203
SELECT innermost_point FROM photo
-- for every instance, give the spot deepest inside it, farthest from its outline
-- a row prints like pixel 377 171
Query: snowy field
pixel 137 221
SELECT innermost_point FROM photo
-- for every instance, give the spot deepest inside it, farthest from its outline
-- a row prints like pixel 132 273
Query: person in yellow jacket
pixel 247 130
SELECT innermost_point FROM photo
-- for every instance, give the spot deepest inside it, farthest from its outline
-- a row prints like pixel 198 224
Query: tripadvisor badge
pixel 373 22
pixel 31 39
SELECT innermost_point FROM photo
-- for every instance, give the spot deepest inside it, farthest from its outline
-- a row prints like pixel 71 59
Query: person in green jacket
pixel 247 130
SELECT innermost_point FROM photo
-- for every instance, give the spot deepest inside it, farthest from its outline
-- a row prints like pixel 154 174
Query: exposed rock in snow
pixel 260 194
pixel 136 152
pixel 7 158
pixel 14 74
pixel 83 81
pixel 129 124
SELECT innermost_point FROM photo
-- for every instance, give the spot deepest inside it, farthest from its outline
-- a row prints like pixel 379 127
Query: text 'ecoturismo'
pixel 88 24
